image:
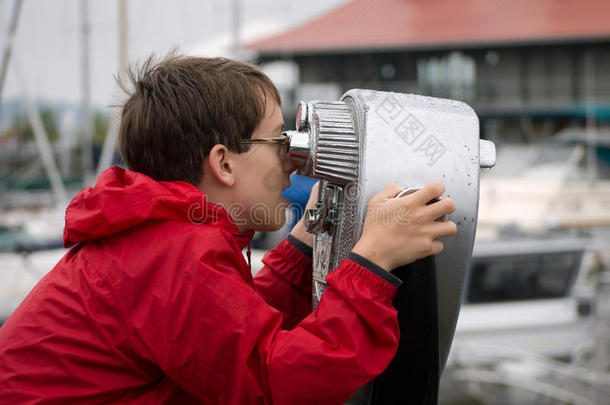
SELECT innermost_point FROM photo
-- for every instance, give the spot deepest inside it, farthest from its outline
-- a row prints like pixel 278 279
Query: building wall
pixel 543 77
pixel 553 82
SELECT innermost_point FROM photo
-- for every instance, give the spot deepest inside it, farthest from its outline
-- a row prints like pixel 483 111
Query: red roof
pixel 369 24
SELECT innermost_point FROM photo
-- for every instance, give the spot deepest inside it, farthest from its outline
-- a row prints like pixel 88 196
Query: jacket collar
pixel 123 199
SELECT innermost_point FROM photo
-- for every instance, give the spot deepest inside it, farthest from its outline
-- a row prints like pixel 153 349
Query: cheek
pixel 273 179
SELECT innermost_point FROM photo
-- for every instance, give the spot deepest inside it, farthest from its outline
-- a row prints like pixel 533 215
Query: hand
pixel 398 231
pixel 299 231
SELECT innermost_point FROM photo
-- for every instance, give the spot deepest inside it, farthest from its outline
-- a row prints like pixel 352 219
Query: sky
pixel 48 40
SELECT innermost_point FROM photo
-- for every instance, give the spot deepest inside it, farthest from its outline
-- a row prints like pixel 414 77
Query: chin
pixel 270 227
pixel 269 223
pixel 278 223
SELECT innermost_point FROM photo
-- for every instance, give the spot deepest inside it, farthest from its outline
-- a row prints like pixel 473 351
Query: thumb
pixel 315 187
pixel 313 195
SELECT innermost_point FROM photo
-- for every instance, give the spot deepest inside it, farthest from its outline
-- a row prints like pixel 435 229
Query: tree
pixel 21 126
pixel 101 123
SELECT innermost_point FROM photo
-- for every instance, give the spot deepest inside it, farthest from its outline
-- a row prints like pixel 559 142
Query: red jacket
pixel 155 303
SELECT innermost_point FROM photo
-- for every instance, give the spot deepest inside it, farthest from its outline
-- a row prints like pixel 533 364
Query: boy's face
pixel 263 173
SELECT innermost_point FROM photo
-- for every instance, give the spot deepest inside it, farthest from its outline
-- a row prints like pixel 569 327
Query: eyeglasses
pixel 283 141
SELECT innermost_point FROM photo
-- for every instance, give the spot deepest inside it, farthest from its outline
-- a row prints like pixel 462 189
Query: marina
pixel 516 126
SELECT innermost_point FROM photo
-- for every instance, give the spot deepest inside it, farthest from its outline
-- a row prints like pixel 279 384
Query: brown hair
pixel 179 108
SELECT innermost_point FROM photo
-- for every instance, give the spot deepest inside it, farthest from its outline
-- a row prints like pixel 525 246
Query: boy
pixel 155 302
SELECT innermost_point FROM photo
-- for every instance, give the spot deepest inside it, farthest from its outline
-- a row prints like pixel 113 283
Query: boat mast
pixel 87 124
pixel 235 28
pixel 113 129
pixel 40 133
pixel 8 46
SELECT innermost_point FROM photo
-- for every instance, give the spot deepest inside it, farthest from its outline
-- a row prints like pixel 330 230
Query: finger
pixel 437 247
pixel 439 208
pixel 431 191
pixel 313 193
pixel 441 229
pixel 389 191
pixel 314 190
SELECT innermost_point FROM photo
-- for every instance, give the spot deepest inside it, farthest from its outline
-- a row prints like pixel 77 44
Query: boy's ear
pixel 220 165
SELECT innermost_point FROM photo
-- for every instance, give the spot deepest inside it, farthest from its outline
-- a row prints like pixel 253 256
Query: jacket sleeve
pixel 223 344
pixel 285 280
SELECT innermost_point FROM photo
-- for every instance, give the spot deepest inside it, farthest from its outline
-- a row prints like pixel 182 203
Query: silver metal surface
pixel 487 154
pixel 409 139
pixel 408 190
pixel 328 133
pixel 370 139
pixel 299 146
pixel 301 120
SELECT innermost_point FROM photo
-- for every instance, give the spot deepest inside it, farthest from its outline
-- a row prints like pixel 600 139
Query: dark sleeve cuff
pixel 378 270
pixel 301 246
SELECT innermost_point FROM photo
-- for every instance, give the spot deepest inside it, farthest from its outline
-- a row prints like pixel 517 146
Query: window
pixel 525 277
pixel 451 76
